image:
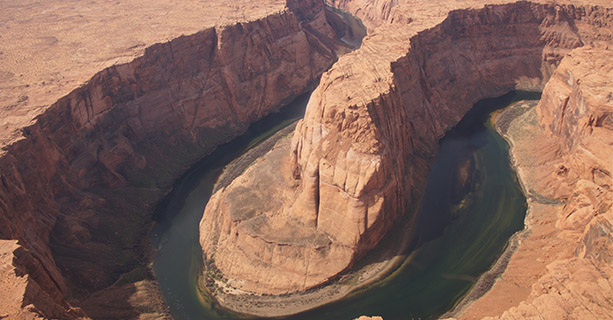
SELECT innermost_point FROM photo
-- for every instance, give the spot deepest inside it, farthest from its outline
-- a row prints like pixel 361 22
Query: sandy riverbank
pixel 509 123
pixel 543 252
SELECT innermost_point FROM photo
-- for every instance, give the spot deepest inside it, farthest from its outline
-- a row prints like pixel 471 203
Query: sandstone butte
pixel 103 106
pixel 305 213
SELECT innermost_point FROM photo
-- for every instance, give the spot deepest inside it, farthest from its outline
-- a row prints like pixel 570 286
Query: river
pixel 471 207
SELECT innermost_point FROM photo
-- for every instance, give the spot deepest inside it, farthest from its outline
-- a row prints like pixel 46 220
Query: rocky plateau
pixel 103 106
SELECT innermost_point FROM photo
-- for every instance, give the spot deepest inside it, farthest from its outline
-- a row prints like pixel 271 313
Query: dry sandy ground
pixel 12 287
pixel 49 48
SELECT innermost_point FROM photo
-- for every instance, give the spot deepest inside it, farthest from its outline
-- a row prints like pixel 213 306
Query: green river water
pixel 464 224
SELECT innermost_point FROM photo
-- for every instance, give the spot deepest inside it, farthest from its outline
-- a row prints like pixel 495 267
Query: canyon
pixel 104 108
pixel 304 214
pixel 81 173
pixel 562 152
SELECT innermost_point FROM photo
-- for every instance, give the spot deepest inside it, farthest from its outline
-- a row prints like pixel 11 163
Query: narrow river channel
pixel 471 207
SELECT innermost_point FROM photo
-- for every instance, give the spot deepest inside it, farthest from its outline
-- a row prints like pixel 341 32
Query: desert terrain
pixel 103 105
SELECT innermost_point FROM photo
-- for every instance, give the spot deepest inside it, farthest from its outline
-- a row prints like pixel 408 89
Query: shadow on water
pixel 472 205
pixel 460 147
pixel 175 235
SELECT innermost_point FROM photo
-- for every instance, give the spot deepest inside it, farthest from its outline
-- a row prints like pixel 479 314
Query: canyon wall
pixel 77 190
pixel 79 182
pixel 373 13
pixel 360 157
pixel 576 113
pixel 562 149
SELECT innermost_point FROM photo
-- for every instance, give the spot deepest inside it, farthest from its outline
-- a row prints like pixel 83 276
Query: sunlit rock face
pixel 562 151
pixel 87 153
pixel 79 184
pixel 309 210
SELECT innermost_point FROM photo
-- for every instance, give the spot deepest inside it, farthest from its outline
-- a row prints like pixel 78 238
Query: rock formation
pixel 562 150
pixel 79 176
pixel 375 13
pixel 360 157
pixel 85 154
pixel 25 286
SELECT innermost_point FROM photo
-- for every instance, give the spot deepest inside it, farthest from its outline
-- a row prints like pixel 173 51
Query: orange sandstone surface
pixel 562 150
pixel 359 159
pixel 50 48
pixel 103 105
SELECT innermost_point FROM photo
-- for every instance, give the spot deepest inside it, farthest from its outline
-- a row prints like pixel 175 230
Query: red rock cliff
pixel 360 157
pixel 562 149
pixel 78 189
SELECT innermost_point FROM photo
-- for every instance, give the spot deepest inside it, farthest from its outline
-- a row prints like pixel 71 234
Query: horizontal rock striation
pixel 360 157
pixel 373 13
pixel 562 149
pixel 576 114
pixel 25 284
pixel 77 190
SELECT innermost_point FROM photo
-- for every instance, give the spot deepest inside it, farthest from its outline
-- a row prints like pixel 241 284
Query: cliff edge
pixel 562 151
pixel 104 106
pixel 359 159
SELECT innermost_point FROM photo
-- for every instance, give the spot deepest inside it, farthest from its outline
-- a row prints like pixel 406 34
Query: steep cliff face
pixel 575 113
pixel 373 13
pixel 78 190
pixel 562 150
pixel 360 157
pixel 25 286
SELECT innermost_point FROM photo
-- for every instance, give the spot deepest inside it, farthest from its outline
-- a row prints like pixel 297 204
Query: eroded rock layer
pixel 361 155
pixel 77 189
pixel 562 150
pixel 25 285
